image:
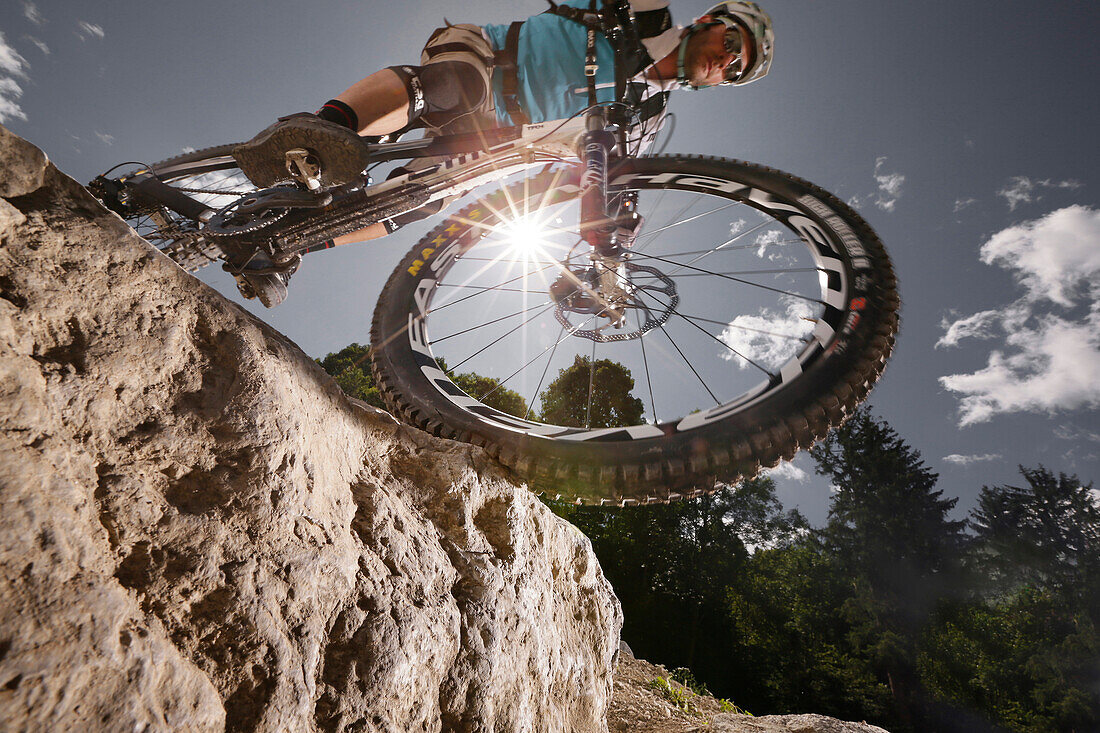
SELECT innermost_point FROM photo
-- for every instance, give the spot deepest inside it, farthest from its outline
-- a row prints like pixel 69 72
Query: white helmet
pixel 732 14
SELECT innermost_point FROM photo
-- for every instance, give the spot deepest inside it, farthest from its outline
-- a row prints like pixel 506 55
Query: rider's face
pixel 707 56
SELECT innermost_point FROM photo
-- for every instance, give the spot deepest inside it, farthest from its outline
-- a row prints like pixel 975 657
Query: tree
pixel 672 566
pixel 1028 662
pixel 489 391
pixel 350 367
pixel 1045 533
pixel 791 642
pixel 565 401
pixel 888 523
pixel 889 532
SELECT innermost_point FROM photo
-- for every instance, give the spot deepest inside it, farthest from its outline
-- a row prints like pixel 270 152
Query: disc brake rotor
pixel 653 318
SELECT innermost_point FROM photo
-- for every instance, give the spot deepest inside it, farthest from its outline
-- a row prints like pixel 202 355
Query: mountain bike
pixel 624 329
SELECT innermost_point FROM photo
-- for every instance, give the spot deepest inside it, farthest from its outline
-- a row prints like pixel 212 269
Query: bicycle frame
pixel 465 162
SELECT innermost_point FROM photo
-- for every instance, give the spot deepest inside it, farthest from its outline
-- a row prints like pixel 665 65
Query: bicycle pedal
pixel 304 168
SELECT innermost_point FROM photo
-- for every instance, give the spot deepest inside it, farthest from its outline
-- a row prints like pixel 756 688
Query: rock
pixel 638 707
pixel 199 531
pixel 24 166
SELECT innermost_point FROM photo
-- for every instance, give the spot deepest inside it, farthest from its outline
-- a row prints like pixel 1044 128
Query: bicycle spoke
pixel 692 368
pixel 735 351
pixel 487 323
pixel 678 222
pixel 738 280
pixel 712 336
pixel 743 272
pixel 742 328
pixel 538 389
pixel 645 362
pixel 725 244
pixel 502 382
pixel 482 287
pixel 591 385
pixel 738 248
pixel 437 308
pixel 501 338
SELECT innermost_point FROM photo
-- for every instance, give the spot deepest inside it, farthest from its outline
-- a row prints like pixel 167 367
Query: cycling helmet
pixel 731 14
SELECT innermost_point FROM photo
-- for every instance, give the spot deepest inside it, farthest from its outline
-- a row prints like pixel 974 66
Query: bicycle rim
pixel 767 309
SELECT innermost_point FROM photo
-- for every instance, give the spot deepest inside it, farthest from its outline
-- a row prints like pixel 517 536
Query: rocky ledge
pixel 199 531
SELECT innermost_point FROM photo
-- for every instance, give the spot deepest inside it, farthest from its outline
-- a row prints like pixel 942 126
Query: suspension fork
pixel 597 224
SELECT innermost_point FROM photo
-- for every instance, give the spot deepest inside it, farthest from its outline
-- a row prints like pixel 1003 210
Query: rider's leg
pixel 380 103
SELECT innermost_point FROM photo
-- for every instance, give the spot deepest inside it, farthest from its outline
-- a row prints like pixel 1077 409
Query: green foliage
pixel 1027 663
pixel 489 391
pixel 1045 534
pixel 889 535
pixel 1027 652
pixel 672 565
pixel 565 401
pixel 726 706
pixel 791 641
pixel 686 677
pixel 350 367
pixel 681 698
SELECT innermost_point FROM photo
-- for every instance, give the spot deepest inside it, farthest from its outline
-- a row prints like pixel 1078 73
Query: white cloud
pixel 30 11
pixel 961 204
pixel 982 325
pixel 1053 256
pixel 1023 190
pixel 789 471
pixel 187 149
pixel 1072 432
pixel 41 46
pixel 889 188
pixel 766 240
pixel 87 30
pixel 962 460
pixel 104 137
pixel 1049 355
pixel 12 67
pixel 769 338
pixel 889 185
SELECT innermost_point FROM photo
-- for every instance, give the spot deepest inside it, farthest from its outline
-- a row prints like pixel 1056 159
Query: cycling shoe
pixel 338 153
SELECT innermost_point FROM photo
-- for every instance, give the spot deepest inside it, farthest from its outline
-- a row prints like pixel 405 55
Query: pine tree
pixel 1045 533
pixel 890 534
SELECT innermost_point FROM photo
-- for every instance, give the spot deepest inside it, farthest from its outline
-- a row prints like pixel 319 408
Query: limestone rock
pixel 24 165
pixel 199 531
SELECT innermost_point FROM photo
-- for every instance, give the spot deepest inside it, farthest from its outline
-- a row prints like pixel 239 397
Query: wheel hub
pixel 590 292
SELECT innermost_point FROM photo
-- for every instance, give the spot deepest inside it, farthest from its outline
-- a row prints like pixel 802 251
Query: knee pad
pixel 447 88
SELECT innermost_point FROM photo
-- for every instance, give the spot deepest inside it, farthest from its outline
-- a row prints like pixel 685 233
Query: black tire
pixel 833 372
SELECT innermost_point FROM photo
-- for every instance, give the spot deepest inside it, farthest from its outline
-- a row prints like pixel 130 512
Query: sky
pixel 964 131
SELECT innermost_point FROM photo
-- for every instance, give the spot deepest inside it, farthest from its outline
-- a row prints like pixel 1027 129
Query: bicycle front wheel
pixel 757 311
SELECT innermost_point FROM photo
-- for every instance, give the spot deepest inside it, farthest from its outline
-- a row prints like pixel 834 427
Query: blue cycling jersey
pixel 550 67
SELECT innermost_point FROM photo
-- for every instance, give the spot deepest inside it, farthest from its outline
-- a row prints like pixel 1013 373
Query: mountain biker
pixel 473 78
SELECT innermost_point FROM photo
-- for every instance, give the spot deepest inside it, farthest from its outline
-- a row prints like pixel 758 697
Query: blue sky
pixel 964 131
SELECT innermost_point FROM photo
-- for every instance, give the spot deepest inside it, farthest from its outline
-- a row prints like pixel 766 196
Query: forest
pixel 893 612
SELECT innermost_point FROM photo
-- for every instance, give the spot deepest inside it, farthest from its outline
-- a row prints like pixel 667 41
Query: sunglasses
pixel 740 65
